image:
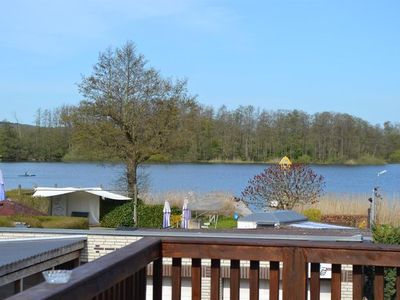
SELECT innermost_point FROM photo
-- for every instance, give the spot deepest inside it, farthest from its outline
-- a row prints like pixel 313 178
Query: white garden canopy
pixel 52 191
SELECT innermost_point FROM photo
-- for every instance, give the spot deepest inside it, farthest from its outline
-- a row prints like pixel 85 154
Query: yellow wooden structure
pixel 285 162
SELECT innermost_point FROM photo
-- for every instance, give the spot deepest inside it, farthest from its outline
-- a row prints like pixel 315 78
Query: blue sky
pixel 312 55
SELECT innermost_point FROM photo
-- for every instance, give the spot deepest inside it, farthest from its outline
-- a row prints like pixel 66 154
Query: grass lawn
pixel 46 222
pixel 226 222
pixel 24 197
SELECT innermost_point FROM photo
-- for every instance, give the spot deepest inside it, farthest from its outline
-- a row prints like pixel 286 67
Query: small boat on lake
pixel 27 175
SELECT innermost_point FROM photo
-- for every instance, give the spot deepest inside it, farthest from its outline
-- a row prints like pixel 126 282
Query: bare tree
pixel 284 187
pixel 129 111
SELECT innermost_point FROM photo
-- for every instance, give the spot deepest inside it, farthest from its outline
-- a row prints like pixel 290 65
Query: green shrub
pixel 108 205
pixel 119 216
pixel 226 222
pixel 386 234
pixel 149 216
pixel 312 214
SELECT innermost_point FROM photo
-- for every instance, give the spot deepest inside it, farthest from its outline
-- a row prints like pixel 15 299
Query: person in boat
pixel 27 174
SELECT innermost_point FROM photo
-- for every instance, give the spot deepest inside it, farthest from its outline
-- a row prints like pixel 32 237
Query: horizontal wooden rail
pixel 113 271
pixel 262 244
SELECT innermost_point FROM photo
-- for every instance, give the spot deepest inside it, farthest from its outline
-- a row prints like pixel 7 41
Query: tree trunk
pixel 131 174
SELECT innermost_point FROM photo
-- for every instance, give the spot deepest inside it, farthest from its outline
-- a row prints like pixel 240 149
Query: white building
pixel 77 202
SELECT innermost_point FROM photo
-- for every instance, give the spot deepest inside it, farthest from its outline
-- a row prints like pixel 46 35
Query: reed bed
pixel 212 201
pixel 176 198
pixel 388 207
pixel 343 204
pixel 331 204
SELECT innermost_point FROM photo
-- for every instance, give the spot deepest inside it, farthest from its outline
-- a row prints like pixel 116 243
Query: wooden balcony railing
pixel 122 274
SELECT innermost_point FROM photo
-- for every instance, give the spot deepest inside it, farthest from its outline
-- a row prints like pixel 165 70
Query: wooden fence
pixel 122 274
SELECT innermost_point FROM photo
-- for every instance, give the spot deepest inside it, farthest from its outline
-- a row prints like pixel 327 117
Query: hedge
pixel 149 216
pixel 119 216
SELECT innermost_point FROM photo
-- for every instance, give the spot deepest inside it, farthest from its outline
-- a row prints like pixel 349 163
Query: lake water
pixel 161 178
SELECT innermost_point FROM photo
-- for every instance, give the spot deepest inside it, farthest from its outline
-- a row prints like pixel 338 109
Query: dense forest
pixel 245 134
pixel 48 140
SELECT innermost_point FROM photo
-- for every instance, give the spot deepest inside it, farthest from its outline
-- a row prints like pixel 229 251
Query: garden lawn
pixel 46 222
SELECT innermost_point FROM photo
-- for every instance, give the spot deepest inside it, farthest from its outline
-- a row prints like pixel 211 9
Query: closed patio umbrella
pixel 2 191
pixel 186 215
pixel 166 215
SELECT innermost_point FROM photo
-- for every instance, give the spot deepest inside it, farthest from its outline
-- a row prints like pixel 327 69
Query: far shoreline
pixel 212 162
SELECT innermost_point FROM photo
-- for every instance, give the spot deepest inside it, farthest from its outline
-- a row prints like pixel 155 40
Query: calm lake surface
pixel 161 178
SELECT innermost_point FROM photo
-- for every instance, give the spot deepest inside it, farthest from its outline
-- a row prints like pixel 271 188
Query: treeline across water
pixel 206 134
pixel 48 140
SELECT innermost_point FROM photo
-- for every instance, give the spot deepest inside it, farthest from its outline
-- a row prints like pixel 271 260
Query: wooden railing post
pixel 176 278
pixel 196 278
pixel 274 279
pixel 235 279
pixel 215 278
pixel 157 279
pixel 358 282
pixel 294 275
pixel 379 283
pixel 398 284
pixel 336 282
pixel 254 278
pixel 315 281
